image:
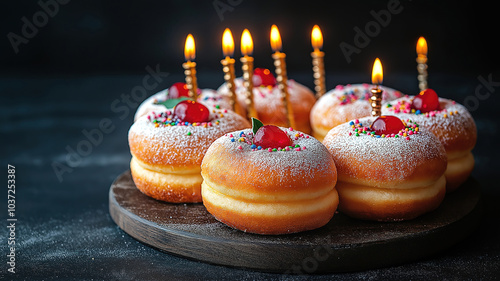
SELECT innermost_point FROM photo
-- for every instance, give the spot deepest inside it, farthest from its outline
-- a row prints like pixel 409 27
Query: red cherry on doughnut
pixel 387 124
pixel 178 90
pixel 191 111
pixel 263 77
pixel 270 136
pixel 426 101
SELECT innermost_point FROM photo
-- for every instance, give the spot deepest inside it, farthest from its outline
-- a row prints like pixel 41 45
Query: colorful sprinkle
pixel 243 137
pixel 166 119
pixel 357 129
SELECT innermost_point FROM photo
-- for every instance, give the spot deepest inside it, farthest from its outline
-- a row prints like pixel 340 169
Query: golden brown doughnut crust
pixel 452 124
pixel 269 192
pixel 382 204
pixel 269 106
pixel 458 171
pixel 455 128
pixel 342 104
pixel 169 187
pixel 390 170
pixel 273 223
pixel 166 159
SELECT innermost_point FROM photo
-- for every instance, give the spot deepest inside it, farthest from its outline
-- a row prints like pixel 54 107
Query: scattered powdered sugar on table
pixel 58 240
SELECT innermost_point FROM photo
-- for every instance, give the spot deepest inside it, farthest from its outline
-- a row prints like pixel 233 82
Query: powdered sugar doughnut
pixel 167 155
pixel 269 106
pixel 344 103
pixel 453 126
pixel 208 97
pixel 268 191
pixel 387 178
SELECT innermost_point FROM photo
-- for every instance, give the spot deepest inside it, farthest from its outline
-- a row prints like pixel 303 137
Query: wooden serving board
pixel 344 244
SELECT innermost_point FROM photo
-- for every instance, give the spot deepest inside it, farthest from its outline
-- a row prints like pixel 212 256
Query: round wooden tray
pixel 344 244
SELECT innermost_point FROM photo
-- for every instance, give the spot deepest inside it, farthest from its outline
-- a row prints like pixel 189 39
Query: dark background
pixel 91 53
pixel 123 37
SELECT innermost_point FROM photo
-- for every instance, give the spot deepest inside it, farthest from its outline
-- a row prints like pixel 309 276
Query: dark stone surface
pixel 64 230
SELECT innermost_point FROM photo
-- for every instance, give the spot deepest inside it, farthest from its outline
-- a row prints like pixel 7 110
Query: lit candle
pixel 228 68
pixel 190 67
pixel 376 98
pixel 281 75
pixel 247 67
pixel 318 61
pixel 422 63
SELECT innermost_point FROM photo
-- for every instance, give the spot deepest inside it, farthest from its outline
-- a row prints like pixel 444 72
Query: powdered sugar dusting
pixel 452 124
pixel 208 97
pixel 268 102
pixel 344 103
pixel 307 159
pixel 393 159
pixel 191 140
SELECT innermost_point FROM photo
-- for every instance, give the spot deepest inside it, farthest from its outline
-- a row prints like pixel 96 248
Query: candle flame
pixel 377 72
pixel 227 43
pixel 275 39
pixel 246 43
pixel 422 47
pixel 316 38
pixel 189 49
